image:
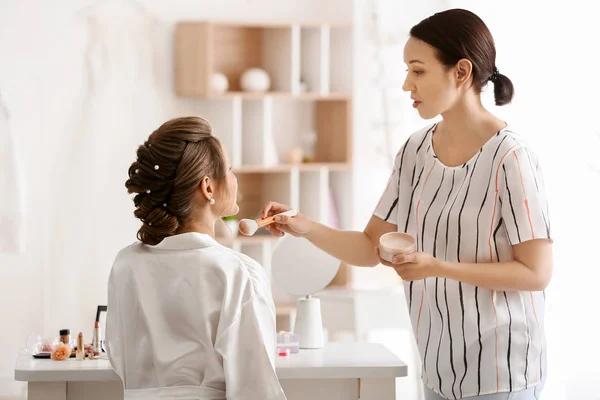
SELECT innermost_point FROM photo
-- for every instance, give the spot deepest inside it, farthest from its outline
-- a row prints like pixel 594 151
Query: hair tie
pixel 494 75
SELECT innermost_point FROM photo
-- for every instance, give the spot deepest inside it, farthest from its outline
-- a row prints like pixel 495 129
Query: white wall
pixel 42 48
pixel 548 51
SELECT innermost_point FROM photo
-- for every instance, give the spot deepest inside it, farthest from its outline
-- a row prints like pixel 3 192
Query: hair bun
pixel 169 167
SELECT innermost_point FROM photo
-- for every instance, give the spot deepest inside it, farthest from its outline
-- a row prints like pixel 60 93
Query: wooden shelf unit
pixel 259 129
pixel 318 54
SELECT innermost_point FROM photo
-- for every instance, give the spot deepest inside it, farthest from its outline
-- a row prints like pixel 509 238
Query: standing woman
pixel 471 192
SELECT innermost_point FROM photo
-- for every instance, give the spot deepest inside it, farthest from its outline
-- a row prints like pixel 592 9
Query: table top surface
pixel 335 361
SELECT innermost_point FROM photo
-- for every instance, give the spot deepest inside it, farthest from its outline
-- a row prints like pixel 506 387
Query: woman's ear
pixel 463 71
pixel 207 188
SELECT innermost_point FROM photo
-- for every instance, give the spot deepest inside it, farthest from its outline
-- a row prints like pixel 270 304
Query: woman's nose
pixel 407 86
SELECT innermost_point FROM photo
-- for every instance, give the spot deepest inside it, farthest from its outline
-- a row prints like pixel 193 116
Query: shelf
pixel 319 54
pixel 205 48
pixel 314 195
pixel 309 96
pixel 333 126
pixel 285 309
pixel 273 24
pixel 340 56
pixel 306 114
pixel 255 189
pixel 253 169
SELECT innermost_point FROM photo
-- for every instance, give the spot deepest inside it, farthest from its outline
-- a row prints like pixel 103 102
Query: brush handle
pixel 261 222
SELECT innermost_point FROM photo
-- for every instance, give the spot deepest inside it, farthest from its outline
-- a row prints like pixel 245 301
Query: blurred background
pixel 83 83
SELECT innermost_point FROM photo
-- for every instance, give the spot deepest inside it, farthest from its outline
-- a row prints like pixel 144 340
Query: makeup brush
pixel 249 226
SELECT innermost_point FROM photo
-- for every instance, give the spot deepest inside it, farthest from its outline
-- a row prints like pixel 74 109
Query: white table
pixel 365 371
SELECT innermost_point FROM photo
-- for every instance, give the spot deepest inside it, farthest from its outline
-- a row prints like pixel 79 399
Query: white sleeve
pixel 248 348
pixel 387 208
pixel 524 203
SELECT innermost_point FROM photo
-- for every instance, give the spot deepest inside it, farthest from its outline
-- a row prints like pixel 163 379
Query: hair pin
pixel 148 191
pixel 156 167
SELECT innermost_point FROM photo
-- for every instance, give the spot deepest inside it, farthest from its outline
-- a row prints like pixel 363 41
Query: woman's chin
pixel 425 114
pixel 234 210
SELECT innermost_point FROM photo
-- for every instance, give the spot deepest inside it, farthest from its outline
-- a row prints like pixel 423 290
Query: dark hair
pixel 458 34
pixel 169 168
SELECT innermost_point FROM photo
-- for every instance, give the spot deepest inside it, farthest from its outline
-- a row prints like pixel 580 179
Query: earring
pixel 211 201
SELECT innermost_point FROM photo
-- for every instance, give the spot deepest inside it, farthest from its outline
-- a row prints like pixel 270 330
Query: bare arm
pixel 531 269
pixel 353 247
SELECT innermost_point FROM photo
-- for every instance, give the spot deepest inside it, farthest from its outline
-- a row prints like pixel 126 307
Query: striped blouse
pixel 472 341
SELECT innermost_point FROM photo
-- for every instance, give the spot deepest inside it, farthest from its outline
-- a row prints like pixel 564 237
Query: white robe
pixel 191 319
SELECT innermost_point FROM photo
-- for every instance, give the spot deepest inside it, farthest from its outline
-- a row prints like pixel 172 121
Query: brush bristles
pixel 248 227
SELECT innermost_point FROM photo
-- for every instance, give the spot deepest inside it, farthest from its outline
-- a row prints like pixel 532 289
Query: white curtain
pixel 12 182
pixel 92 213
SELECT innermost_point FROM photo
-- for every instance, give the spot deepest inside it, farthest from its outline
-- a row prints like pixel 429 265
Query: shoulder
pixel 226 267
pixel 418 139
pixel 514 145
pixel 256 275
pixel 125 256
pixel 242 269
pixel 415 142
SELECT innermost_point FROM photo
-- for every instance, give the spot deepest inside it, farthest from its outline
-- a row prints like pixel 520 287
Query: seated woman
pixel 187 317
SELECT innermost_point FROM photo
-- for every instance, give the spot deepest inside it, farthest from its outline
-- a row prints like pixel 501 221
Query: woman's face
pixel 431 85
pixel 229 190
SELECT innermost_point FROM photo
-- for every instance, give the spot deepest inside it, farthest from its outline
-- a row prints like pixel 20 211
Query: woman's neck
pixel 469 121
pixel 202 222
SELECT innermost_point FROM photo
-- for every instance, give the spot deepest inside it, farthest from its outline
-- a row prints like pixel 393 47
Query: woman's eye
pixel 417 72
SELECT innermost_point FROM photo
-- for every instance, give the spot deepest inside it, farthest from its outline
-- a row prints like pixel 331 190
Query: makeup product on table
pixel 65 336
pixel 287 341
pixel 96 339
pixel 80 354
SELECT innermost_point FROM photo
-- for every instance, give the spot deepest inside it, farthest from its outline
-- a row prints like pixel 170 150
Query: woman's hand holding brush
pixel 297 225
pixel 249 226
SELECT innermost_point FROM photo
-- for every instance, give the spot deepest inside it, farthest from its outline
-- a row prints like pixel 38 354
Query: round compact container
pixel 394 243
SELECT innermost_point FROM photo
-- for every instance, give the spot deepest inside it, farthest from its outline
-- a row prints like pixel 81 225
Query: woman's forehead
pixel 418 52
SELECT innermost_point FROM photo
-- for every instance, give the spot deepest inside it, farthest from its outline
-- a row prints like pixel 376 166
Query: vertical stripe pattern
pixel 473 341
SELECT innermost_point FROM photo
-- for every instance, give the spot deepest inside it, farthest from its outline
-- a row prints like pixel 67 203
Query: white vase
pixel 219 82
pixel 255 80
